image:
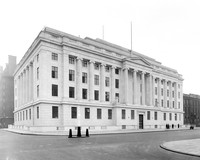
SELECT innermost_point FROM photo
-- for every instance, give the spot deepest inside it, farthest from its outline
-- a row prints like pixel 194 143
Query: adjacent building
pixel 191 109
pixel 7 93
pixel 64 81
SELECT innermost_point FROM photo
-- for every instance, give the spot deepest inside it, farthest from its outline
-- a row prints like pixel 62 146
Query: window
pixel 156 80
pixel 37 57
pixel 116 83
pixel 87 113
pixel 96 66
pixel 170 116
pixel 109 113
pixel 71 60
pixel 173 94
pixel 116 71
pixel 107 81
pixel 132 114
pixel 96 95
pixel 117 97
pixel 84 63
pixel 164 116
pixel 179 95
pixel 98 113
pixel 38 113
pixel 84 93
pixel 37 73
pixel 71 75
pixel 179 86
pixel 173 104
pixel 173 84
pixel 156 102
pixel 148 115
pixel 107 96
pixel 54 90
pixel 161 91
pixel 71 92
pixel 107 68
pixel 23 115
pixel 123 114
pixel 74 112
pixel 155 115
pixel 54 72
pixel 54 56
pixel 30 114
pixel 162 103
pixel 168 93
pixel 162 82
pixel 37 90
pixel 96 79
pixel 156 90
pixel 175 116
pixel 84 77
pixel 167 103
pixel 179 105
pixel 54 112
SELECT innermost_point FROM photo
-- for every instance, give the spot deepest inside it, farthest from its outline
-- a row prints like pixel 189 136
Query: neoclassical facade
pixel 65 81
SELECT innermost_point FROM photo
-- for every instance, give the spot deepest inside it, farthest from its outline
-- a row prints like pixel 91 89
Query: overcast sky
pixel 166 30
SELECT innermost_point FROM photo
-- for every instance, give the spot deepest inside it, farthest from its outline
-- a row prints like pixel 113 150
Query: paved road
pixel 135 146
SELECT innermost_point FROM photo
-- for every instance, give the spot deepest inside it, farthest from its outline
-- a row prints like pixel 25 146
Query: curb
pixel 109 133
pixel 179 152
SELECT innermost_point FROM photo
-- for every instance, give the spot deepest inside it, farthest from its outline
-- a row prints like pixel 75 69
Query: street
pixel 134 146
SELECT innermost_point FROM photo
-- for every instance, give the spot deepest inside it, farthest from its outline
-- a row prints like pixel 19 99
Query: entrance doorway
pixel 141 123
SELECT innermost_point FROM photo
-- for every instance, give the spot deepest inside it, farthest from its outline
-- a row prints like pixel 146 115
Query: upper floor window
pixel 84 63
pixel 96 79
pixel 164 116
pixel 179 86
pixel 162 102
pixel 38 91
pixel 168 93
pixel 156 91
pixel 71 75
pixel 84 77
pixel 71 60
pixel 109 113
pixel 117 97
pixel 173 94
pixel 107 81
pixel 37 57
pixel 162 82
pixel 96 95
pixel 71 92
pixel 167 103
pixel 98 113
pixel 54 90
pixel 161 91
pixel 38 113
pixel 116 71
pixel 54 56
pixel 107 96
pixel 107 68
pixel 175 116
pixel 37 73
pixel 173 84
pixel 156 80
pixel 96 66
pixel 170 116
pixel 54 72
pixel 179 95
pixel 116 83
pixel 84 93
pixel 132 114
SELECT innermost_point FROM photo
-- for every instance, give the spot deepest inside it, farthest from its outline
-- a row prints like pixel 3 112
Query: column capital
pixel 79 58
pixel 125 68
pixel 91 61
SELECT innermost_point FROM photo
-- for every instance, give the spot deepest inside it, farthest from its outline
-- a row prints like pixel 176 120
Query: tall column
pixel 175 96
pixel 135 86
pixel 78 79
pixel 153 91
pixel 27 85
pixel 150 89
pixel 91 81
pixel 102 83
pixel 23 87
pixel 165 93
pixel 143 88
pixel 170 94
pixel 113 84
pixel 159 92
pixel 18 91
pixel 31 81
pixel 126 85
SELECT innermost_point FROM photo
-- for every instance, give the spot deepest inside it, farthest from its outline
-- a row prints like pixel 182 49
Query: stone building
pixel 191 107
pixel 7 93
pixel 64 81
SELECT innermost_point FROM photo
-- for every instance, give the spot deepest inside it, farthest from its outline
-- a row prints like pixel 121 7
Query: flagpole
pixel 131 36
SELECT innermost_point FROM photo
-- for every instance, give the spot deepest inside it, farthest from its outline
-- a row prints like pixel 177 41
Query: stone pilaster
pixel 159 92
pixel 125 85
pixel 102 83
pixel 91 81
pixel 113 84
pixel 165 93
pixel 78 79
pixel 143 88
pixel 135 86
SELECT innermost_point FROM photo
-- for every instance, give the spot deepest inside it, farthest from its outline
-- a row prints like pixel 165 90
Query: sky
pixel 166 30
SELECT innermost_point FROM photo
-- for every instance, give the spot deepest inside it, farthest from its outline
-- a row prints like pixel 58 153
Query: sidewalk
pixel 91 132
pixel 188 147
